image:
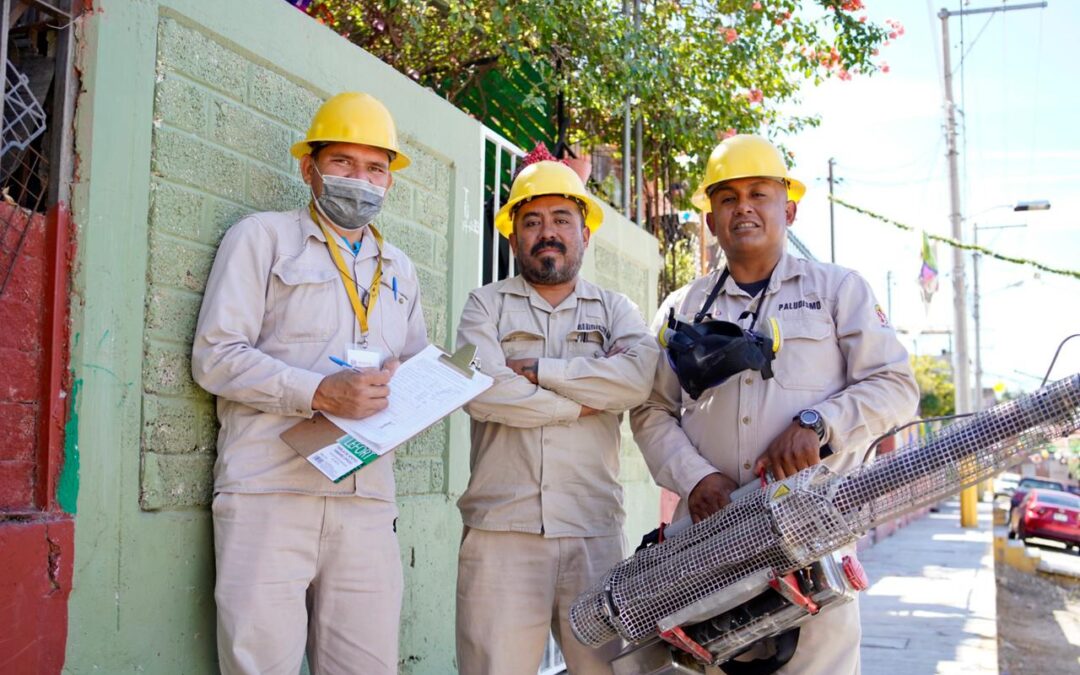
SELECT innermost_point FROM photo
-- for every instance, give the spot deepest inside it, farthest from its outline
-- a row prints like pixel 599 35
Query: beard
pixel 544 270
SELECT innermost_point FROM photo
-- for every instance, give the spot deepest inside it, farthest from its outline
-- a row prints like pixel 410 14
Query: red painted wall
pixel 34 587
pixel 36 538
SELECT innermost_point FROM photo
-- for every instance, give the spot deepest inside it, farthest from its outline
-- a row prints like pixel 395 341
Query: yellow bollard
pixel 969 507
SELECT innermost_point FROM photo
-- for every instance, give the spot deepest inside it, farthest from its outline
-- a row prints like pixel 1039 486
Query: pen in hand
pixel 343 363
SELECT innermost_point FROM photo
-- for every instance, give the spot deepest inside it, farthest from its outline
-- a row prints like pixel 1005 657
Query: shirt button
pixel 746 420
pixel 749 380
pixel 746 466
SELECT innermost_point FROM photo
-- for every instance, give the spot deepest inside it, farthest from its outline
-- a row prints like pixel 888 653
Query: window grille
pixel 36 105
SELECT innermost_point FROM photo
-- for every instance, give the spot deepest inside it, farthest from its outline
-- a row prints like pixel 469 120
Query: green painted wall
pixel 187 111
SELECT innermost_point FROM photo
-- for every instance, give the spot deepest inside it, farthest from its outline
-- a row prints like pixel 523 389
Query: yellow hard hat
pixel 353 117
pixel 548 178
pixel 745 156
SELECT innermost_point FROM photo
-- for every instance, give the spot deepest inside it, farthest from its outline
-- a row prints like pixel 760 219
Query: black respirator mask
pixel 706 352
pixel 704 355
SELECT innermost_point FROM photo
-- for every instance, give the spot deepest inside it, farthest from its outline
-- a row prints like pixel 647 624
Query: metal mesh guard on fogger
pixel 819 512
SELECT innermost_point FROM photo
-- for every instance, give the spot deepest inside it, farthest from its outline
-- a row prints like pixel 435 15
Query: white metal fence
pixel 500 158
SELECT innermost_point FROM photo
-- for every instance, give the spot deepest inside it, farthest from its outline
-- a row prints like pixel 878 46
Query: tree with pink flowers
pixel 694 68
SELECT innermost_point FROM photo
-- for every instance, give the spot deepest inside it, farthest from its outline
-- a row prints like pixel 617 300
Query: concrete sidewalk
pixel 930 607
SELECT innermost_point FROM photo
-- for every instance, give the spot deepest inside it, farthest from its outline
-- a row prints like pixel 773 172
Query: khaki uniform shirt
pixel 839 356
pixel 536 466
pixel 274 312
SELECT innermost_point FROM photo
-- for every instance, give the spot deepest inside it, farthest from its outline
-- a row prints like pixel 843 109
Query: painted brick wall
pixel 620 272
pixel 22 310
pixel 223 125
pixel 617 269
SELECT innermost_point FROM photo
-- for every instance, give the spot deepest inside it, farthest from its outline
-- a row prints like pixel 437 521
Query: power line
pixel 964 55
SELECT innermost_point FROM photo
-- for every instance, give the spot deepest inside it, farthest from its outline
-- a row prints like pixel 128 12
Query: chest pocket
pixel 588 343
pixel 393 312
pixel 523 344
pixel 519 332
pixel 304 301
pixel 806 354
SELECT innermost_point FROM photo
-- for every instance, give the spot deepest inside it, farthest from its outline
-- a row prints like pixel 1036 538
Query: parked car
pixel 1005 484
pixel 1049 514
pixel 1030 483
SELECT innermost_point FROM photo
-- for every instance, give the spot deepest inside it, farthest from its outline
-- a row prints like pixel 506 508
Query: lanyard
pixel 700 316
pixel 346 276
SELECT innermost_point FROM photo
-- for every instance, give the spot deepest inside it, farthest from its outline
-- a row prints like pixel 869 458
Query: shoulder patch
pixel 881 315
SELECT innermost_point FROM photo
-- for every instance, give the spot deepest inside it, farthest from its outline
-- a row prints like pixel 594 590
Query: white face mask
pixel 350 203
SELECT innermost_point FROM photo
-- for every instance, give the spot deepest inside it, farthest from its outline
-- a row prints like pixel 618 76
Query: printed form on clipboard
pixel 424 389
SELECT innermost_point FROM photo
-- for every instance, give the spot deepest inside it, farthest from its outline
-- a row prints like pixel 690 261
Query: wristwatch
pixel 811 419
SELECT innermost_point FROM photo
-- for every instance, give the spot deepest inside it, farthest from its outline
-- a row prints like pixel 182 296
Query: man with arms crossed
pixel 543 510
pixel 302 560
pixel 841 376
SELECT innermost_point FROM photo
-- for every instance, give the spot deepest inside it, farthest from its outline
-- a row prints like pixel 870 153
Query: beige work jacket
pixel 536 466
pixel 839 356
pixel 274 312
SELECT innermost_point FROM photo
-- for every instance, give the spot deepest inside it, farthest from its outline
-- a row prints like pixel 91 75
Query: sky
pixel 1017 99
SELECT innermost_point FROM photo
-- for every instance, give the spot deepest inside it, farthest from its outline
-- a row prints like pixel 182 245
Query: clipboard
pixel 430 386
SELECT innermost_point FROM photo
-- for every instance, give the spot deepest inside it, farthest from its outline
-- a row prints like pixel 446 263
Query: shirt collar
pixel 583 290
pixel 788 267
pixel 311 229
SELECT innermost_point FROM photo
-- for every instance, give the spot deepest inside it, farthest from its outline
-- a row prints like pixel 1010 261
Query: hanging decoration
pixel 1075 274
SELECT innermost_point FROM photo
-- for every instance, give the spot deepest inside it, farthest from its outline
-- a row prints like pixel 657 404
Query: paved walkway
pixel 930 608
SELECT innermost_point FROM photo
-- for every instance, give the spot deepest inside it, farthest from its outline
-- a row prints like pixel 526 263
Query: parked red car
pixel 1030 483
pixel 1049 514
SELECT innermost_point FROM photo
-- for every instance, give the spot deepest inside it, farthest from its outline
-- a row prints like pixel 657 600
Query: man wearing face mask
pixel 543 510
pixel 822 375
pixel 303 561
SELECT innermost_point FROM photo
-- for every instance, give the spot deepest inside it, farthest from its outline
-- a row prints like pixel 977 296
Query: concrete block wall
pixel 624 258
pixel 222 128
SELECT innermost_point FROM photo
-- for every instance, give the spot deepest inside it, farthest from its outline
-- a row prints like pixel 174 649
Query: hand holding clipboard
pixel 424 390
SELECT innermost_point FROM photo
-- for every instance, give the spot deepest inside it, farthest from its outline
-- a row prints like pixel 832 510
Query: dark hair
pixel 317 146
pixel 580 204
pixel 716 186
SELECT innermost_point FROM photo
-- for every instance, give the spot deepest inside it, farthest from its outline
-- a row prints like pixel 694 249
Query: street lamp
pixel 1034 205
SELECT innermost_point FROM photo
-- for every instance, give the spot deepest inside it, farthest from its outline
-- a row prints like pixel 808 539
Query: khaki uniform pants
pixel 515 588
pixel 297 569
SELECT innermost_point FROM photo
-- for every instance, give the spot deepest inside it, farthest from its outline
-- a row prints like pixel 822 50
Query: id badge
pixel 360 357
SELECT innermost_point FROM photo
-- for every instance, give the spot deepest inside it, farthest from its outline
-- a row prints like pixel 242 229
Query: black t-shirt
pixel 754 287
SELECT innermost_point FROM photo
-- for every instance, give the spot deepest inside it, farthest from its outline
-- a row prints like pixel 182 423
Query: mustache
pixel 545 245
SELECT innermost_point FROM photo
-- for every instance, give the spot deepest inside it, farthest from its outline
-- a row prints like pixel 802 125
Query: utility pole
pixel 968 498
pixel 637 140
pixel 888 295
pixel 832 214
pixel 975 315
pixel 960 355
pixel 1041 205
